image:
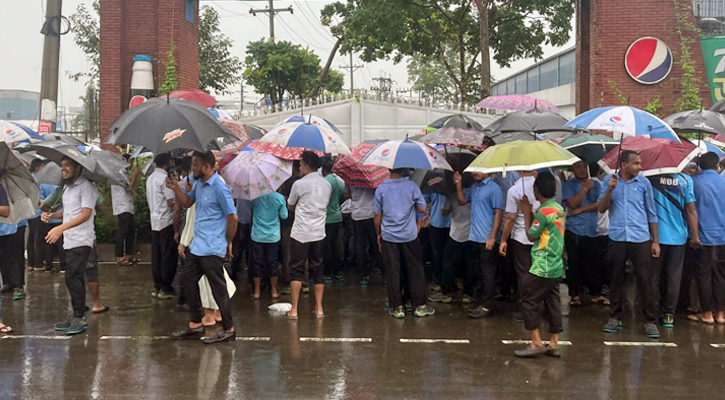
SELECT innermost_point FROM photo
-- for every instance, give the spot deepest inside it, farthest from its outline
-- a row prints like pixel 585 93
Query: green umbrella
pixel 522 155
pixel 590 148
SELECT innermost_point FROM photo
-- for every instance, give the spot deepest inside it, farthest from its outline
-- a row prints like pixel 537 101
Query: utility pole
pixel 271 11
pixel 352 67
pixel 51 59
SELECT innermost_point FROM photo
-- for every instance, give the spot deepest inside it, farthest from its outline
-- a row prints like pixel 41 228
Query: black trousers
pixel 240 248
pixel 411 254
pixel 521 259
pixel 669 267
pixel 689 272
pixel 36 238
pixel 192 268
pixel 505 274
pixel 75 278
pixel 710 276
pixel 310 254
pixel 488 262
pixel 439 240
pixel 458 256
pixel 348 237
pixel 51 251
pixel 125 234
pixel 265 260
pixel 366 238
pixel 12 266
pixel 583 267
pixel 535 290
pixel 333 248
pixel 164 257
pixel 645 271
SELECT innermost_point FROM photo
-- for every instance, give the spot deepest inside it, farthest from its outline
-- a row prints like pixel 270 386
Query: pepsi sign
pixel 648 60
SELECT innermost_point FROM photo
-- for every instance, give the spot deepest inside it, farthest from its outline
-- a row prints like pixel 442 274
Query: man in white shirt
pixel 308 200
pixel 123 209
pixel 163 247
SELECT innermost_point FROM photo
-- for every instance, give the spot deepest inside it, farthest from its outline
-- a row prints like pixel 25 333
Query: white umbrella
pixel 23 193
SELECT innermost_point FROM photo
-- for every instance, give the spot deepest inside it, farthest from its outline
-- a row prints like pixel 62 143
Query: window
pixel 521 83
pixel 190 10
pixel 567 68
pixel 510 86
pixel 549 74
pixel 533 79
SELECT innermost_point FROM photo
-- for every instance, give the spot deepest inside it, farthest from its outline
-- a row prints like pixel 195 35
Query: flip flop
pixel 125 263
pixel 6 329
pixel 209 326
pixel 696 318
pixel 289 317
pixel 102 310
pixel 318 316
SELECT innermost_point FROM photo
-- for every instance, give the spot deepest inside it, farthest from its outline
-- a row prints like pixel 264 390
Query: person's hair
pixel 296 166
pixel 36 163
pixel 709 160
pixel 624 157
pixel 545 184
pixel 311 159
pixel 162 160
pixel 206 158
pixel 72 161
pixel 400 171
pixel 185 164
pixel 126 156
pixel 327 163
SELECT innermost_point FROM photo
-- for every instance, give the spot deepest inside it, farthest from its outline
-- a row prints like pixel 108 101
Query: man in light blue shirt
pixel 440 225
pixel 216 218
pixel 633 236
pixel 396 202
pixel 267 211
pixel 710 271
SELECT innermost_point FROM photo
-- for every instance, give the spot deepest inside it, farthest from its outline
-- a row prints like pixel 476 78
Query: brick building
pixel 130 27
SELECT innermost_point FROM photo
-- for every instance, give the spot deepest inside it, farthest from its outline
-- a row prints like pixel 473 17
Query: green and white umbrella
pixel 590 148
pixel 522 155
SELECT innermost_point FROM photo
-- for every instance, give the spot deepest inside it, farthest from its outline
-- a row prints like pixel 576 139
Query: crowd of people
pixel 496 237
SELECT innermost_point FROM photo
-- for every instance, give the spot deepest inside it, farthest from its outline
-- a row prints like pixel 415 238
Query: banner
pixel 713 51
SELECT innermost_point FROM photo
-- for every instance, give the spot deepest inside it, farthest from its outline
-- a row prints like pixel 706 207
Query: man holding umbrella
pixel 163 249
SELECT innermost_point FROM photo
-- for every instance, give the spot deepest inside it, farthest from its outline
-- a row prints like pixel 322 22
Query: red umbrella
pixel 659 156
pixel 717 140
pixel 354 173
pixel 275 149
pixel 198 96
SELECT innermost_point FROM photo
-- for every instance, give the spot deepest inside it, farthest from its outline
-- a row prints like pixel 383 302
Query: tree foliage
pixel 171 81
pixel 218 68
pixel 86 35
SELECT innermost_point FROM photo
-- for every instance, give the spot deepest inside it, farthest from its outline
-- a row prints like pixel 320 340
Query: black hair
pixel 709 160
pixel 624 157
pixel 594 169
pixel 163 160
pixel 545 184
pixel 185 164
pixel 327 163
pixel 311 159
pixel 36 163
pixel 206 158
pixel 400 171
pixel 126 156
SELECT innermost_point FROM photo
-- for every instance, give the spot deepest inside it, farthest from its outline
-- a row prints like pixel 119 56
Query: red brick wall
pixel 130 27
pixel 613 26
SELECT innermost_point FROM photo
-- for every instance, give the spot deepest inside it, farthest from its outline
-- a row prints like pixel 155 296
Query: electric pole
pixel 352 67
pixel 271 11
pixel 51 59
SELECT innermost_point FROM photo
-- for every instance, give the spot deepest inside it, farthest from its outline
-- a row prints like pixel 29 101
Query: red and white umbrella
pixel 659 156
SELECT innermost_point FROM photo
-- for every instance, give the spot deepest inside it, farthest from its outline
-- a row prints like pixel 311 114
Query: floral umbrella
pixel 350 170
pixel 252 174
pixel 516 103
pixel 278 150
pixel 463 138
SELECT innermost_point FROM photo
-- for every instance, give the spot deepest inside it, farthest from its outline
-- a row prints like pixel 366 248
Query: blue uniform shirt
pixel 671 193
pixel 397 200
pixel 584 224
pixel 485 197
pixel 710 205
pixel 214 202
pixel 267 211
pixel 437 220
pixel 6 229
pixel 632 209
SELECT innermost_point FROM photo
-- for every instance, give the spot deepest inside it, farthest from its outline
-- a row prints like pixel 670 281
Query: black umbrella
pixel 162 125
pixel 55 150
pixel 719 107
pixel 98 165
pixel 65 138
pixel 255 132
pixel 49 175
pixel 441 181
pixel 697 121
pixel 459 121
pixel 22 191
pixel 110 167
pixel 523 125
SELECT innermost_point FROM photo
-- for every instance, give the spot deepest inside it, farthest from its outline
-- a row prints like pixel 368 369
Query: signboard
pixel 648 60
pixel 713 52
pixel 136 100
pixel 44 127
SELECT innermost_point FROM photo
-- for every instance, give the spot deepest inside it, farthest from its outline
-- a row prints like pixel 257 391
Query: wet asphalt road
pixel 356 352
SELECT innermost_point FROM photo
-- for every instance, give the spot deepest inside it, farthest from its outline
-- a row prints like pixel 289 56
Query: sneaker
pixel 398 313
pixel 668 321
pixel 408 306
pixel 386 307
pixel 479 312
pixel 365 281
pixel 19 294
pixel 440 298
pixel 328 279
pixel 285 290
pixel 305 289
pixel 63 326
pixel 164 296
pixel 518 317
pixel 424 311
pixel 77 325
pixel 434 288
pixel 467 299
pixel 651 331
pixel 339 277
pixel 530 352
pixel 612 325
pixel 189 333
pixel 155 294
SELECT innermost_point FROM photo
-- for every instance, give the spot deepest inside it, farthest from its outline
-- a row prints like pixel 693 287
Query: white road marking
pixel 718 345
pixel 240 338
pixel 335 339
pixel 36 337
pixel 448 341
pixel 561 342
pixel 646 344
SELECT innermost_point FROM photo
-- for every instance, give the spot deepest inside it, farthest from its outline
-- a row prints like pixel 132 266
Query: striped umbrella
pixel 310 119
pixel 306 135
pixel 277 150
pixel 12 132
pixel 354 173
pixel 628 121
pixel 395 154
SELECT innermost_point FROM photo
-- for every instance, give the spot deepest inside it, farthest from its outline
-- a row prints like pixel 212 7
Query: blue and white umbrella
pixel 307 136
pixel 707 147
pixel 405 154
pixel 624 120
pixel 11 132
pixel 311 119
pixel 222 115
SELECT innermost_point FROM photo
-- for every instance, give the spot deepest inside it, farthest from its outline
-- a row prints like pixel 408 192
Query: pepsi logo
pixel 385 152
pixel 282 131
pixel 648 60
pixel 615 119
pixel 330 139
pixel 432 155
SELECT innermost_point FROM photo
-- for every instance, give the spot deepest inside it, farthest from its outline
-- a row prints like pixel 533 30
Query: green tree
pixel 333 81
pixel 171 81
pixel 429 77
pixel 86 35
pixel 218 68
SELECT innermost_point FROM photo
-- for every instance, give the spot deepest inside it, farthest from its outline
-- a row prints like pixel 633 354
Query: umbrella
pixel 277 150
pixel 55 151
pixel 719 106
pixel 350 170
pixel 12 132
pixel 307 136
pixel 699 121
pixel 64 138
pixel 251 174
pixel 163 125
pixel 110 167
pixel 516 102
pixel 706 147
pixel 522 156
pixel 395 154
pixel 522 125
pixel 200 97
pixel 222 115
pixel 717 140
pixel 226 159
pixel 459 121
pixel 49 175
pixel 22 190
pixel 456 137
pixel 590 148
pixel 311 119
pixel 441 181
pixel 628 121
pixel 659 156
pixel 28 156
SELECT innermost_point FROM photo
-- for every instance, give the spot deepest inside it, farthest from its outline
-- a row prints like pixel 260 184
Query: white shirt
pixel 602 220
pixel 460 219
pixel 362 202
pixel 122 200
pixel 310 196
pixel 516 193
pixel 157 195
pixel 77 196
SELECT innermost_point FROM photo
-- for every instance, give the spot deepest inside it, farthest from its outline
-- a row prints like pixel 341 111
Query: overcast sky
pixel 22 43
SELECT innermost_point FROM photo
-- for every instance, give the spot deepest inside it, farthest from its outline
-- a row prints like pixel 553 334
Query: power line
pixel 308 32
pixel 271 12
pixel 315 25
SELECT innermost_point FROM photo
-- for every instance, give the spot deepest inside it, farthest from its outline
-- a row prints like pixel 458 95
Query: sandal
pixel 102 310
pixel 125 263
pixel 601 301
pixel 290 317
pixel 5 329
pixel 697 318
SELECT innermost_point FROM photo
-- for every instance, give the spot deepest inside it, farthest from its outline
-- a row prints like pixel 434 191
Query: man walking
pixel 163 248
pixel 633 235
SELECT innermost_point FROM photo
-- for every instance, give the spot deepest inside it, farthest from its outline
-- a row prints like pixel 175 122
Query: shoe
pixel 164 296
pixel 530 352
pixel 364 281
pixel 605 291
pixel 189 334
pixel 408 306
pixel 376 271
pixel 398 313
pixel 467 299
pixel 651 331
pixel 386 307
pixel 222 336
pixel 285 290
pixel 19 294
pixel 434 288
pixel 305 289
pixel 339 277
pixel 518 317
pixel 479 312
pixel 440 298
pixel 668 321
pixel 328 279
pixel 63 326
pixel 77 325
pixel 612 325
pixel 553 352
pixel 424 311
pixel 155 294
